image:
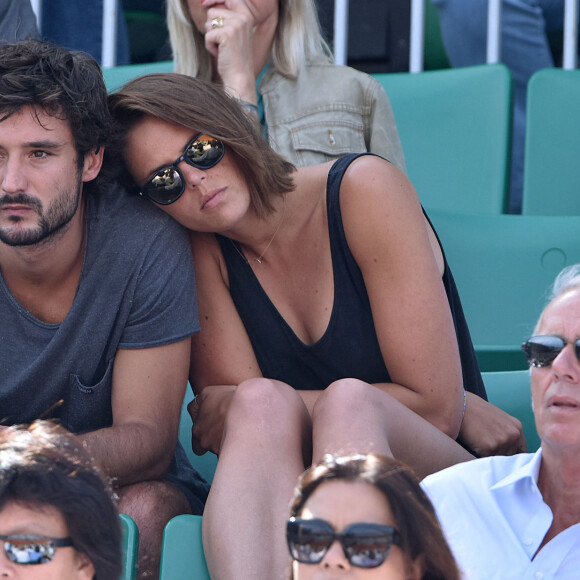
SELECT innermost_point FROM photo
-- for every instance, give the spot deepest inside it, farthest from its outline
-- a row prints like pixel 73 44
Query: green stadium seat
pixel 510 391
pixel 130 547
pixel 115 77
pixel 551 162
pixel 504 266
pixel 455 128
pixel 182 550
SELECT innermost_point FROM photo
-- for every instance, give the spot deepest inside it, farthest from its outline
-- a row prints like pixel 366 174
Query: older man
pixel 519 517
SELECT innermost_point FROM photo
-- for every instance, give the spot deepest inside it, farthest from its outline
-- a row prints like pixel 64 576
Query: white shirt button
pixel 539 575
pixel 528 541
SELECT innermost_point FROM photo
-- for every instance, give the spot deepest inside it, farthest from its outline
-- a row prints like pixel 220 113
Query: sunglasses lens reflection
pixel 367 547
pixel 204 152
pixel 165 187
pixel 309 540
pixel 542 350
pixel 27 552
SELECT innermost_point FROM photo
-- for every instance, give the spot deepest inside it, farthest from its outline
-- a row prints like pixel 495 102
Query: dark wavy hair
pixel 203 107
pixel 419 529
pixel 65 84
pixel 43 465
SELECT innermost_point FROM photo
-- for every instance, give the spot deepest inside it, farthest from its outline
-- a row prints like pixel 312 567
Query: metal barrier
pixel 417 42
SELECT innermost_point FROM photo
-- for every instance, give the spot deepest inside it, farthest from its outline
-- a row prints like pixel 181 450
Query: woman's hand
pixel 208 412
pixel 487 430
pixel 232 46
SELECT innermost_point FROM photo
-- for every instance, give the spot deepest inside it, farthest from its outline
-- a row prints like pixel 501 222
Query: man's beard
pixel 58 215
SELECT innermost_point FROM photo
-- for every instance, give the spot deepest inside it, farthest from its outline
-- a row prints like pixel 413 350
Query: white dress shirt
pixel 494 518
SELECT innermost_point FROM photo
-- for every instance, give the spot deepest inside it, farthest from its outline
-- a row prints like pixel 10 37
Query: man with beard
pixel 96 300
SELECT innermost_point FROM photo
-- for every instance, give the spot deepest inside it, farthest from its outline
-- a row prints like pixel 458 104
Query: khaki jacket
pixel 329 111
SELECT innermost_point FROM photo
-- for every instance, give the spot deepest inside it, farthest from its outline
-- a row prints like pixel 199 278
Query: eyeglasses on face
pixel 541 350
pixel 30 549
pixel 168 184
pixel 364 545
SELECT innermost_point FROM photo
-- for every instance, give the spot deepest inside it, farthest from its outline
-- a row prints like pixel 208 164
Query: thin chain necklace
pixel 259 258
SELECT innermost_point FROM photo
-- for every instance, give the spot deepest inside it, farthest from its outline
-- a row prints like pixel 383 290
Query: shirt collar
pixel 527 470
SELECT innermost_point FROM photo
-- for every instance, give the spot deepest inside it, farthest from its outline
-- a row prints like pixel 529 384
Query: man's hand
pixel 487 430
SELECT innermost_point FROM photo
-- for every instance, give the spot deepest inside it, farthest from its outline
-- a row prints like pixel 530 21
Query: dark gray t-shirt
pixel 137 290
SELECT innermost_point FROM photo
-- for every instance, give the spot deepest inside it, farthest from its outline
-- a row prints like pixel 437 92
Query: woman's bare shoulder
pixel 207 256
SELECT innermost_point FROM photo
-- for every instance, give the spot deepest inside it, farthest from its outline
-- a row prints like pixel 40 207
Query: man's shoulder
pixel 115 208
pixel 483 472
pixel 127 231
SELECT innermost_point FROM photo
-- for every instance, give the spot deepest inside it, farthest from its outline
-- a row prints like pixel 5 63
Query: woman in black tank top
pixel 330 321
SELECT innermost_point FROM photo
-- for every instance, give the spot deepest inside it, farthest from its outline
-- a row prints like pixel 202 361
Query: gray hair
pixel 567 279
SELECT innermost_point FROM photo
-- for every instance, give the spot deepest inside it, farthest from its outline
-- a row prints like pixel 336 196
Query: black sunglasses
pixel 364 545
pixel 32 549
pixel 543 349
pixel 168 184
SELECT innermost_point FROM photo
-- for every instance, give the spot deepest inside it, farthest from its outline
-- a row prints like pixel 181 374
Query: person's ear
pixel 84 567
pixel 92 164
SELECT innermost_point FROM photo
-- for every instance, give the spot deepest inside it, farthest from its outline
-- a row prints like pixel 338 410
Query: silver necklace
pixel 259 258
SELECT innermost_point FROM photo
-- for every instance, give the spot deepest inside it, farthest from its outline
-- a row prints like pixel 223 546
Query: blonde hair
pixel 298 40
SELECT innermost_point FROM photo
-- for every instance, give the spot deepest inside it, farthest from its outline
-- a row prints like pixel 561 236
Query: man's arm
pixel 148 389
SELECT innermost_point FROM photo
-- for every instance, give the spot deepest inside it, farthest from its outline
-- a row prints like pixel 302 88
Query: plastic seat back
pixel 455 128
pixel 130 547
pixel 551 163
pixel 510 391
pixel 115 77
pixel 182 550
pixel 504 267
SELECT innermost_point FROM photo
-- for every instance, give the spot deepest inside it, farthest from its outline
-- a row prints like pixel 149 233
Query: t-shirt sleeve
pixel 164 306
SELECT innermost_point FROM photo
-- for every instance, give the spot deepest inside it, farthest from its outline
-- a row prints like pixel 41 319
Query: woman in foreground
pixel 330 319
pixel 365 516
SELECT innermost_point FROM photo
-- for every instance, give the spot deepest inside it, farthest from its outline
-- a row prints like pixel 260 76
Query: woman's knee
pixel 260 402
pixel 345 397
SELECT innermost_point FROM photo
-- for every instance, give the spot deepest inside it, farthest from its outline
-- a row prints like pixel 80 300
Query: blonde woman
pixel 270 54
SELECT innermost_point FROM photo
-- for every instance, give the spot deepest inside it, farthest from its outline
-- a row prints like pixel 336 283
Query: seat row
pixel 455 128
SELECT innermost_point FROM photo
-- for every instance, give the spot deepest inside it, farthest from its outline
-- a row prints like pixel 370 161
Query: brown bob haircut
pixel 416 521
pixel 204 108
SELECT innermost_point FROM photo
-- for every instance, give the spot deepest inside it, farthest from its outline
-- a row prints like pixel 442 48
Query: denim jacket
pixel 329 111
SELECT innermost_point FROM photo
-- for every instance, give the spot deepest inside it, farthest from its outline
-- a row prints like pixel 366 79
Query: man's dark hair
pixel 45 466
pixel 65 84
